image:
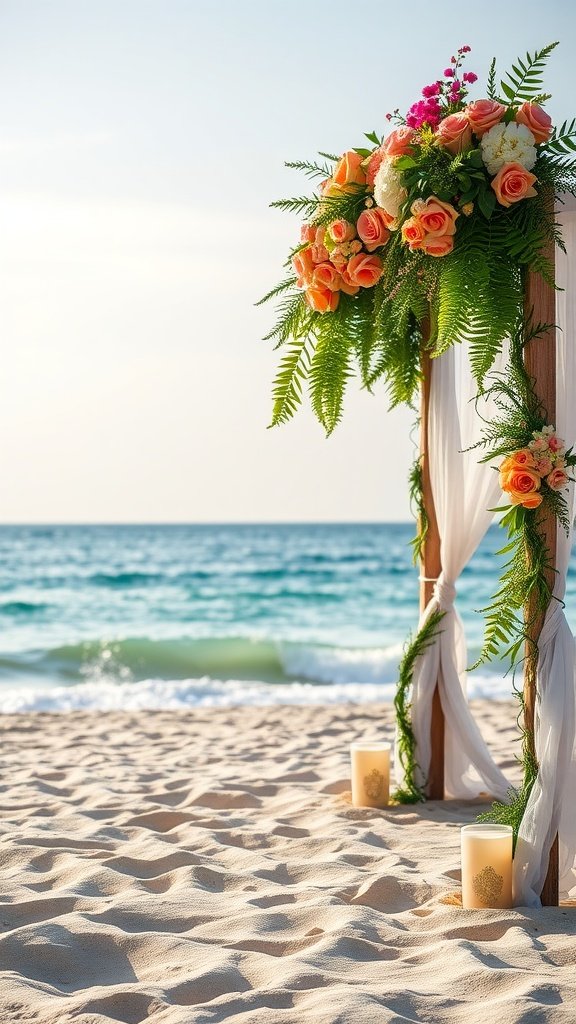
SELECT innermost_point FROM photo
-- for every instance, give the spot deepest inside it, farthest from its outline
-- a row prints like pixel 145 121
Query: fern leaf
pixel 524 82
pixel 287 388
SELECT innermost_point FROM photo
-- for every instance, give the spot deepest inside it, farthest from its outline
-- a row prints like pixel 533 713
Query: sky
pixel 141 142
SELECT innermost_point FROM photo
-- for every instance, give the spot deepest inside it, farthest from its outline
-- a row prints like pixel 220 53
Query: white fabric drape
pixel 551 809
pixel 463 490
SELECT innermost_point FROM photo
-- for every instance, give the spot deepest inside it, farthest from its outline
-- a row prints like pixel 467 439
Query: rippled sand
pixel 191 868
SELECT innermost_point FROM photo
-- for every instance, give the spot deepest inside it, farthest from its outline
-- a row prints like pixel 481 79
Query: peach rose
pixel 349 170
pixel 555 443
pixel 303 267
pixel 438 245
pixel 399 142
pixel 371 165
pixel 454 134
pixel 522 458
pixel 522 486
pixel 319 251
pixel 322 300
pixel 364 270
pixel 307 233
pixel 339 256
pixel 341 231
pixel 372 229
pixel 536 120
pixel 513 183
pixel 483 115
pixel 413 233
pixel 346 285
pixel 437 218
pixel 557 479
pixel 544 466
pixel 326 276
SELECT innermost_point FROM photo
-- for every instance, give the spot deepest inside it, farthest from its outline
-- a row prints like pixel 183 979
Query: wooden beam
pixel 430 569
pixel 540 362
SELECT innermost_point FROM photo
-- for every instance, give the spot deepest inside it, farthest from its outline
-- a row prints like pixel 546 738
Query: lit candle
pixel 486 866
pixel 370 774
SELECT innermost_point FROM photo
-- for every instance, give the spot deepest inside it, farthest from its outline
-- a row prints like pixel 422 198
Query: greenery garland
pixel 523 593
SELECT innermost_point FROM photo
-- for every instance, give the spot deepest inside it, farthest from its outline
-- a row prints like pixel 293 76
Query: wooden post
pixel 540 362
pixel 430 569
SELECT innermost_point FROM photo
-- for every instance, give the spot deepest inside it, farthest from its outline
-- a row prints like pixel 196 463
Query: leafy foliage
pixel 524 82
pixel 406 741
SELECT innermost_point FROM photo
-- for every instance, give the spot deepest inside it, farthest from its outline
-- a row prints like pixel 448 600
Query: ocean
pixel 175 616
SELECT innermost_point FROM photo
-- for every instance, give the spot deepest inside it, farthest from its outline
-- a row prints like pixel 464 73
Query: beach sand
pixel 195 867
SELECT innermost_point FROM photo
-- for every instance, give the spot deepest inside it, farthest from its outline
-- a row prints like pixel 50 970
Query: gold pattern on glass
pixel 374 784
pixel 487 885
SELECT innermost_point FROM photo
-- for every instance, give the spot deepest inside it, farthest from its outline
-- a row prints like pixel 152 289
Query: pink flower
pixel 413 233
pixel 431 90
pixel 399 142
pixel 437 218
pixel 469 76
pixel 557 479
pixel 513 183
pixel 483 115
pixel 346 284
pixel 454 134
pixel 349 170
pixel 372 229
pixel 448 72
pixel 303 267
pixel 341 231
pixel 438 245
pixel 555 443
pixel 538 445
pixel 536 120
pixel 364 270
pixel 544 466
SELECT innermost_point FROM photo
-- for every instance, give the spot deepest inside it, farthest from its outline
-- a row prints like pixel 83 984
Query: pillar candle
pixel 370 774
pixel 486 866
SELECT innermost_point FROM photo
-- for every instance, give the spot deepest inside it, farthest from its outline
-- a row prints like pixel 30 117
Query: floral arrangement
pixel 421 238
pixel 541 462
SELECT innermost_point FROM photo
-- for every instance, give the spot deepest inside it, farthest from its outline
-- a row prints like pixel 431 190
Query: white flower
pixel 388 191
pixel 508 143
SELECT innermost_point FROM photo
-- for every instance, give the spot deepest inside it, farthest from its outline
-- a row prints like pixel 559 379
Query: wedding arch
pixel 439 260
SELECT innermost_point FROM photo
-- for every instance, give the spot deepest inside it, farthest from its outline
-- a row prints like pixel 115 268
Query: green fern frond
pixel 563 139
pixel 284 286
pixel 287 387
pixel 492 80
pixel 310 168
pixel 524 82
pixel 330 368
pixel 301 205
pixel 294 319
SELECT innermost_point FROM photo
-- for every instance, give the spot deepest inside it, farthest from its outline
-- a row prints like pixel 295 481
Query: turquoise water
pixel 171 616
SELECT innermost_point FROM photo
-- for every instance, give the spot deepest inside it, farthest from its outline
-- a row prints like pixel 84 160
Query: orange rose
pixel 319 251
pixel 307 233
pixel 303 267
pixel 364 270
pixel 399 142
pixel 349 170
pixel 326 276
pixel 346 285
pixel 454 134
pixel 438 245
pixel 536 119
pixel 483 115
pixel 372 229
pixel 341 231
pixel 523 458
pixel 322 300
pixel 522 486
pixel 513 183
pixel 413 233
pixel 437 218
pixel 557 479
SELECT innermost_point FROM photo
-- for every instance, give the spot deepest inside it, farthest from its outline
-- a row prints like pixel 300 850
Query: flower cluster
pixel 542 462
pixel 342 256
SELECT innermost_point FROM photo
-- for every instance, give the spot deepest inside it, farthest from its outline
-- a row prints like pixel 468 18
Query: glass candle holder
pixel 486 866
pixel 370 770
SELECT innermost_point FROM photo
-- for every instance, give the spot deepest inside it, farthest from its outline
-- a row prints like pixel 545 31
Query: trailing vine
pixel 411 792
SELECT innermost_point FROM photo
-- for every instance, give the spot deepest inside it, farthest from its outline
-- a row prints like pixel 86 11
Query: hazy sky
pixel 140 144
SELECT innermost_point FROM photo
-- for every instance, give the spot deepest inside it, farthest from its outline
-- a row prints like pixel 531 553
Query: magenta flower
pixel 431 90
pixel 448 72
pixel 469 76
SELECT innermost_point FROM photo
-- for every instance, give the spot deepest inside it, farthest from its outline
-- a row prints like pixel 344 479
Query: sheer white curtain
pixel 463 491
pixel 551 809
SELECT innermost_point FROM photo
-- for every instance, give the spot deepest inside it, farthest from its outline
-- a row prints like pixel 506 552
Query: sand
pixel 191 868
